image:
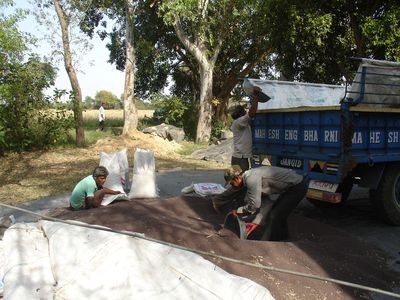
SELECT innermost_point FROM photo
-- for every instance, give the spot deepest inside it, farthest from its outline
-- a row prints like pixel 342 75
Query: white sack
pixel 143 161
pixel 49 260
pixel 143 186
pixel 124 167
pixel 113 181
pixel 144 177
pixel 122 158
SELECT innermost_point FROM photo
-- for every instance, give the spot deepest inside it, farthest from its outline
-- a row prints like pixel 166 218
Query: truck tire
pixel 386 199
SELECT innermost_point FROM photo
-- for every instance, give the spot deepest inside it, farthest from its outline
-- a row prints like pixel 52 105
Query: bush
pixel 50 128
pixel 216 128
pixel 170 110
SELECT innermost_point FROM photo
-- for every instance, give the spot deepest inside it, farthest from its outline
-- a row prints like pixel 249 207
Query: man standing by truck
pixel 266 181
pixel 242 140
pixel 242 147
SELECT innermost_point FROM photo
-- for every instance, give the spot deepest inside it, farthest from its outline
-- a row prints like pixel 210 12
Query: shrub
pixel 170 110
pixel 216 128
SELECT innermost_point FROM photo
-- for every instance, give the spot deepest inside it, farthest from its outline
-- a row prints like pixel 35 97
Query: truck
pixel 335 135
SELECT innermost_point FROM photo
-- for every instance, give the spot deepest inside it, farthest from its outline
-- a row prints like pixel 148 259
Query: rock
pixel 226 135
pixel 219 153
pixel 168 132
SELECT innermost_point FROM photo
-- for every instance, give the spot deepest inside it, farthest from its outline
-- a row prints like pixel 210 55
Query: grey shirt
pixel 267 180
pixel 242 140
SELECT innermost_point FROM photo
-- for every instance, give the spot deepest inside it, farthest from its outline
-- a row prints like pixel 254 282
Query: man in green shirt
pixel 89 192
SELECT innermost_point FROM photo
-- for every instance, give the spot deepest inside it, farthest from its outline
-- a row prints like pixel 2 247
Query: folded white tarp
pixel 204 189
pixel 286 94
pixel 48 260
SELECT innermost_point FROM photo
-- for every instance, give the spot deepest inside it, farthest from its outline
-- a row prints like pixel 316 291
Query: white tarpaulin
pixel 376 82
pixel 286 94
pixel 48 260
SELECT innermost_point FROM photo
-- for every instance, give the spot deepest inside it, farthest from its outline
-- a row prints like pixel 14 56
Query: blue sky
pixel 96 74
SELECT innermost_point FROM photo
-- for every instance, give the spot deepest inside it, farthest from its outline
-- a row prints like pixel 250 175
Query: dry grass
pixel 114 113
pixel 34 175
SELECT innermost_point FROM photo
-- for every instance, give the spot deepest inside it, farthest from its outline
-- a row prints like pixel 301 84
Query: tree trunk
pixel 203 132
pixel 221 110
pixel 130 112
pixel 78 116
pixel 206 65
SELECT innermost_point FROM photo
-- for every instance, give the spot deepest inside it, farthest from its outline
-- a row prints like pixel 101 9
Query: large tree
pixel 108 98
pixel 130 112
pixel 121 40
pixel 297 40
pixel 227 39
pixel 60 18
pixel 65 20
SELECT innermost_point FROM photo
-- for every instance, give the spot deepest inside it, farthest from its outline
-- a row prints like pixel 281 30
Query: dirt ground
pixel 35 175
pixel 313 247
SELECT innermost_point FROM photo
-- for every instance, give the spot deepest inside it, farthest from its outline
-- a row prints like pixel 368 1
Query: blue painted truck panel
pixel 314 141
pixel 335 135
pixel 337 129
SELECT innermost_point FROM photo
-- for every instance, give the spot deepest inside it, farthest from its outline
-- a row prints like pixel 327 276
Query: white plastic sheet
pixel 48 260
pixel 287 94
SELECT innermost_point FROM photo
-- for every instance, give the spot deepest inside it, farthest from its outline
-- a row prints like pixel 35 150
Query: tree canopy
pixel 290 40
pixel 108 98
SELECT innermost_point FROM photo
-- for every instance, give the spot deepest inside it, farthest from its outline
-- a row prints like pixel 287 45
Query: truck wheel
pixel 386 199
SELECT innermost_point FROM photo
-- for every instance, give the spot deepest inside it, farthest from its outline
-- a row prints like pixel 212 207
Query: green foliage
pixel 191 117
pixel 24 114
pixel 170 110
pixel 50 127
pixel 384 33
pixel 26 120
pixel 109 99
pixel 178 112
pixel 12 41
pixel 216 128
pixel 147 122
pixel 143 105
pixel 88 102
